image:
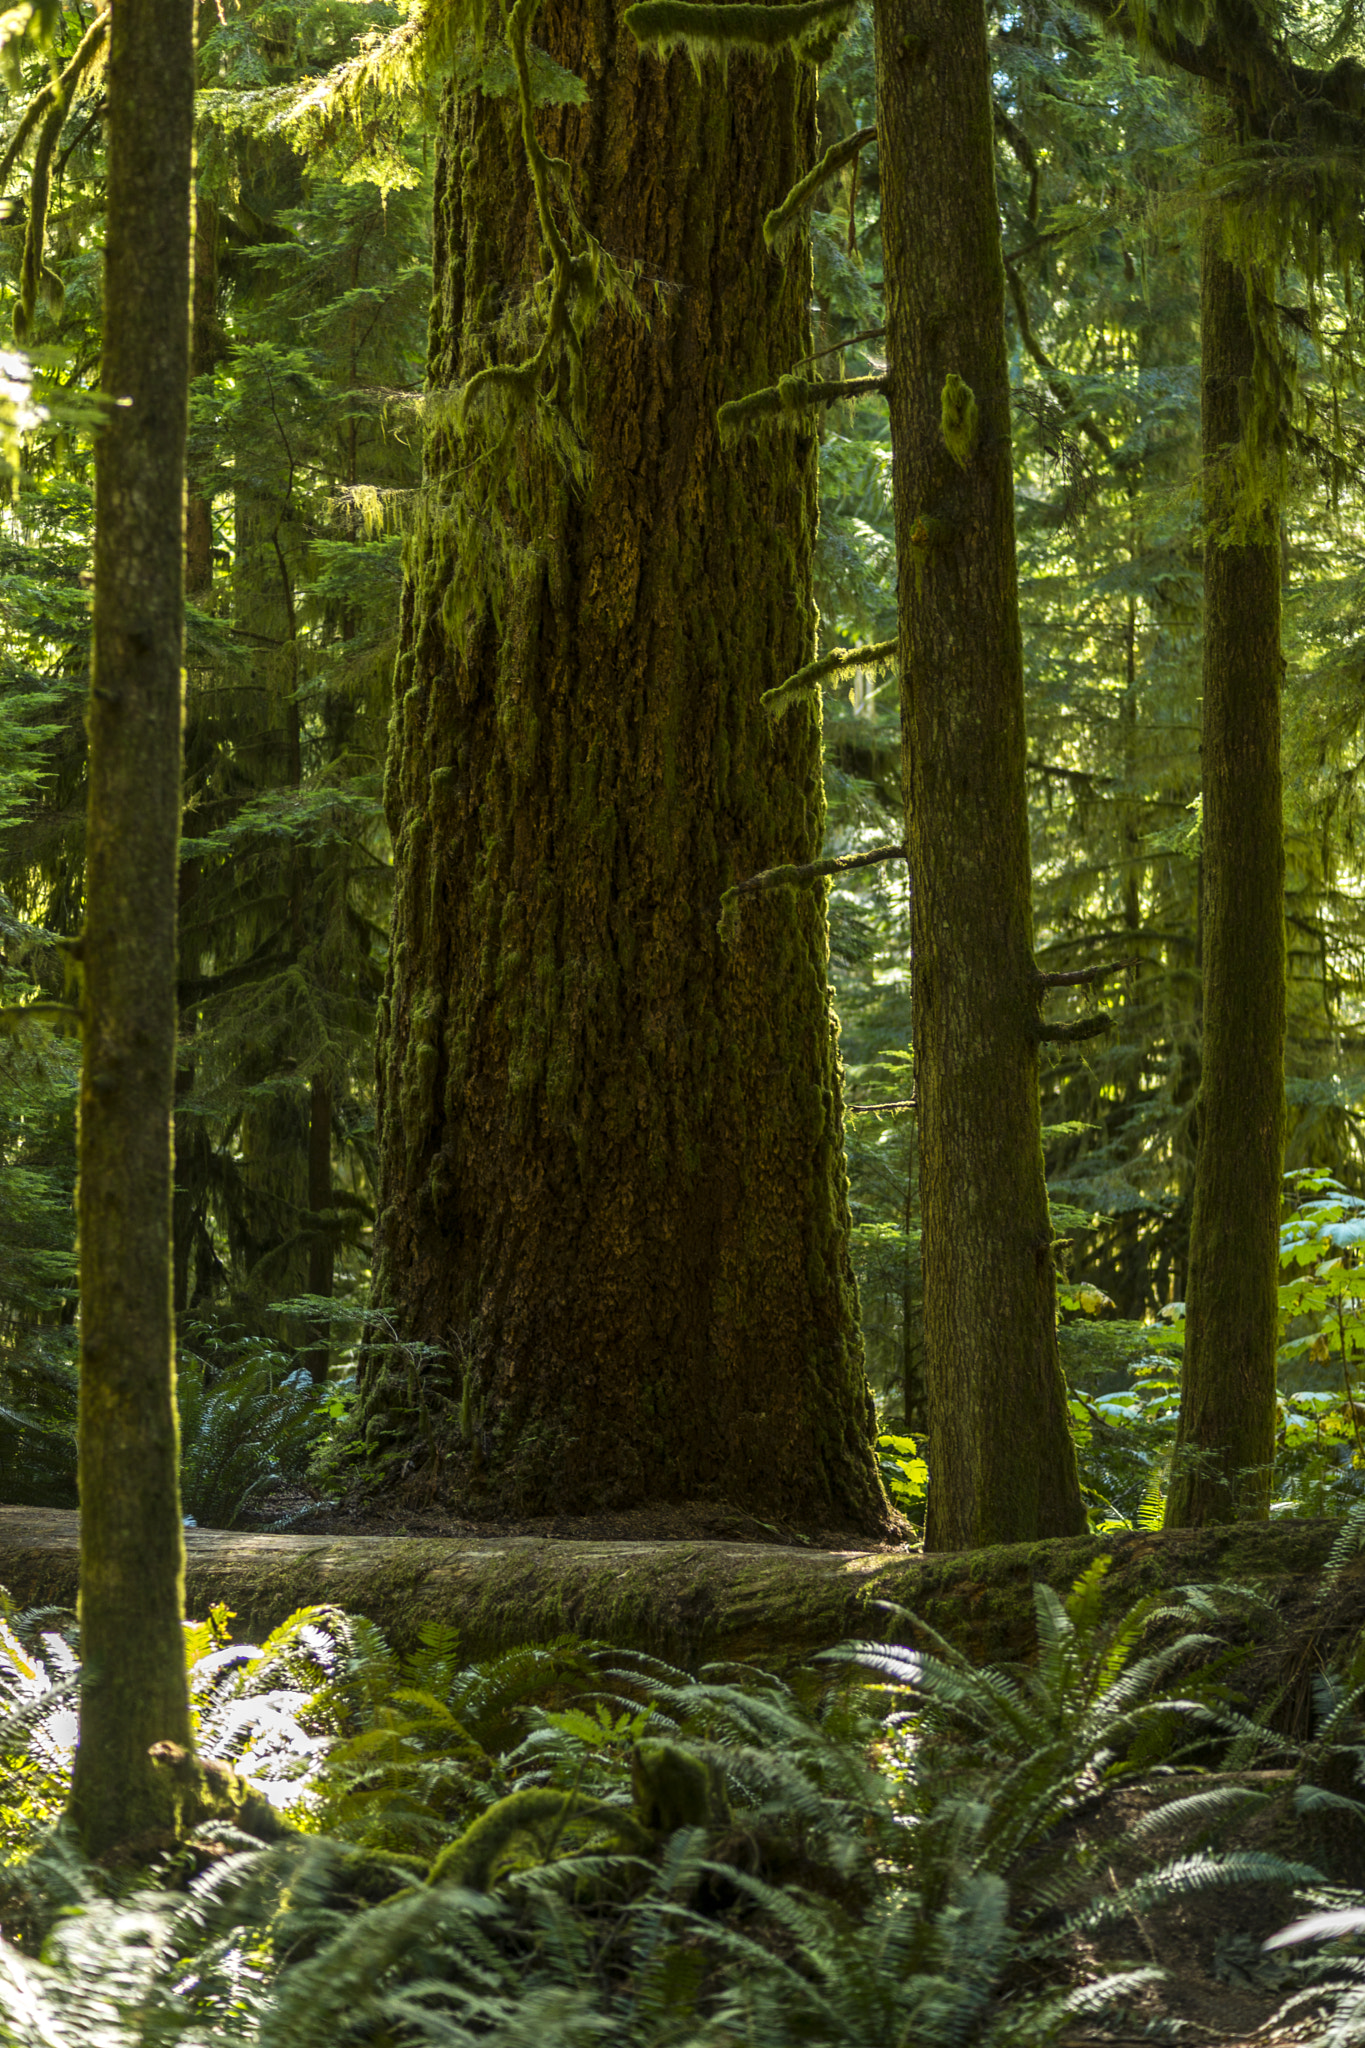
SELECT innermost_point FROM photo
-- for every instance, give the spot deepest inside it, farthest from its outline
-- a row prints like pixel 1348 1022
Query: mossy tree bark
pixel 133 1690
pixel 1001 1461
pixel 612 1178
pixel 1225 1440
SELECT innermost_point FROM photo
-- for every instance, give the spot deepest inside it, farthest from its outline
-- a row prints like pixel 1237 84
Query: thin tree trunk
pixel 321 1258
pixel 1001 1463
pixel 612 1175
pixel 1225 1441
pixel 205 348
pixel 133 1690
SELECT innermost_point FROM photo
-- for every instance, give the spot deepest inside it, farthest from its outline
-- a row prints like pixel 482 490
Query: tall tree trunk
pixel 1225 1441
pixel 1001 1462
pixel 321 1253
pixel 206 346
pixel 612 1173
pixel 133 1690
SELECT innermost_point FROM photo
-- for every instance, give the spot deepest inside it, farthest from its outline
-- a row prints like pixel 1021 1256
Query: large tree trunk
pixel 133 1690
pixel 1225 1442
pixel 1000 1456
pixel 613 1186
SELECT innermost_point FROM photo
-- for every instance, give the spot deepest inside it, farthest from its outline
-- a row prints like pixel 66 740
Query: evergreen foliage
pixel 313 283
pixel 314 155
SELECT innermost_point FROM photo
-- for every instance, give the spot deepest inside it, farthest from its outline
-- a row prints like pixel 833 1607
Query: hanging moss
pixel 808 29
pixel 784 223
pixel 45 116
pixel 829 668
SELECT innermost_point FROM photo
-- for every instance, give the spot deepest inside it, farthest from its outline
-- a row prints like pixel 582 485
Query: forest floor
pixel 307 1514
pixel 1219 1985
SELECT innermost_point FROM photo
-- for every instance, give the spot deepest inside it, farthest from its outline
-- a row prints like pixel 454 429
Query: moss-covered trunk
pixel 700 1602
pixel 1001 1462
pixel 132 1566
pixel 613 1186
pixel 1225 1443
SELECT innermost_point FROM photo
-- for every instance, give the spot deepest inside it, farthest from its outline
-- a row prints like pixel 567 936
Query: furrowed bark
pixel 133 1690
pixel 613 1190
pixel 1000 1455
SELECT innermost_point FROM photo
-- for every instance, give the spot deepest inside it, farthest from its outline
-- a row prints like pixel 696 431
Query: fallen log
pixel 703 1602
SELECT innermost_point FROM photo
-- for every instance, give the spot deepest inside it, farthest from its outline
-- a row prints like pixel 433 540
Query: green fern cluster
pixel 38 1677
pixel 578 1845
pixel 248 1420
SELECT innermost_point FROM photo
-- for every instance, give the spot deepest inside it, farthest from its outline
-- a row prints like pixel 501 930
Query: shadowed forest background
pixel 316 151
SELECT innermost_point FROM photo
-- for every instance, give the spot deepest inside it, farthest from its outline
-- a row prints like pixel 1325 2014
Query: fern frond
pixel 1186 1877
pixel 1348 1545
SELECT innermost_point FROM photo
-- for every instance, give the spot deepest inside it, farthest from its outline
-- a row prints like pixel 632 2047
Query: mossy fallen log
pixel 699 1602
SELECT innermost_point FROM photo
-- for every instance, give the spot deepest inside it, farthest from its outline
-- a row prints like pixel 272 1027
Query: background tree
pixel 1225 1443
pixel 133 1685
pixel 1003 1467
pixel 1227 1418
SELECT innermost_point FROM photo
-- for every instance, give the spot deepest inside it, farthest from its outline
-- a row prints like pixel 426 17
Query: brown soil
pixel 1219 1984
pixel 411 1512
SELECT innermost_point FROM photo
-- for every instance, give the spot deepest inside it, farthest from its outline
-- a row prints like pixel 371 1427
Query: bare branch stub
pixel 1084 977
pixel 815 870
pixel 1072 1034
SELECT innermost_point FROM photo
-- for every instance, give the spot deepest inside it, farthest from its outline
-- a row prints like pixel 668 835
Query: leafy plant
pixel 658 1857
pixel 248 1418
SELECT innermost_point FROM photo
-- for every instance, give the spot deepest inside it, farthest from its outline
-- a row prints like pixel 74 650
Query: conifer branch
pixel 1056 383
pixel 788 401
pixel 788 877
pixel 807 680
pixel 1024 152
pixel 62 1016
pixel 47 113
pixel 837 348
pixel 54 94
pixel 1238 55
pixel 1080 778
pixel 781 224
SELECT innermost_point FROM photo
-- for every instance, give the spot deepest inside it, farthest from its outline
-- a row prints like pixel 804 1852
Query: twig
pixel 877 1108
pixel 875 654
pixel 781 878
pixel 812 871
pixel 1082 976
pixel 836 347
